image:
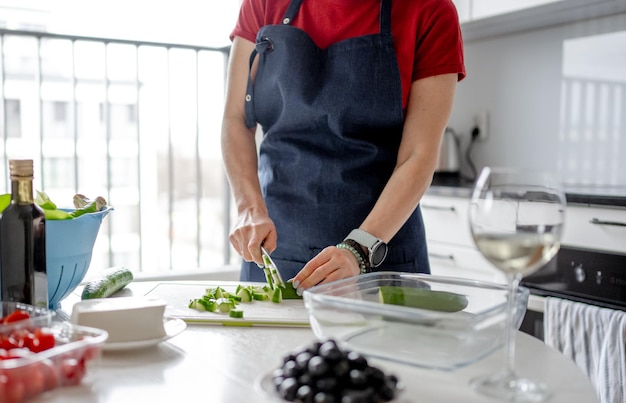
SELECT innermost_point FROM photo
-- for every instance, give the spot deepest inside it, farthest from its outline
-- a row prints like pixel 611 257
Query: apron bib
pixel 332 121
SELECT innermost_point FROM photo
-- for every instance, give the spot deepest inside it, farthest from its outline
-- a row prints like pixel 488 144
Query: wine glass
pixel 516 219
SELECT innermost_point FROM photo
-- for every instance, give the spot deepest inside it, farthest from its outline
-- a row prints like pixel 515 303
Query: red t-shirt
pixel 427 34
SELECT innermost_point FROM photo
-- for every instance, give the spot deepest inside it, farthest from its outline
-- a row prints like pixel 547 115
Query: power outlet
pixel 481 122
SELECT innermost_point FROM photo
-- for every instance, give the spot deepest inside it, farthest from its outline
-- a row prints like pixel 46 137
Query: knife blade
pixel 275 276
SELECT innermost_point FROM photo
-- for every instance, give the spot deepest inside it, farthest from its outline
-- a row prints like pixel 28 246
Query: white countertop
pixel 221 364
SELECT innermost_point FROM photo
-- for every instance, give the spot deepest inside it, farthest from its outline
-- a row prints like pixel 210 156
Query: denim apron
pixel 332 123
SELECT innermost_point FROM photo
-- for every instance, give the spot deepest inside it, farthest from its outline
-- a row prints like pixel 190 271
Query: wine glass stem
pixel 509 331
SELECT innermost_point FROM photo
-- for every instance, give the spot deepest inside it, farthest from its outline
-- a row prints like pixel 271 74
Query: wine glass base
pixel 510 388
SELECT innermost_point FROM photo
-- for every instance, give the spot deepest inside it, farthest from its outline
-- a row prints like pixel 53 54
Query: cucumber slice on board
pixel 107 282
pixel 289 292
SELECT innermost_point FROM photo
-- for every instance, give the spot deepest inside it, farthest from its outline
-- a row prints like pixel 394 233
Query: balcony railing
pixel 135 122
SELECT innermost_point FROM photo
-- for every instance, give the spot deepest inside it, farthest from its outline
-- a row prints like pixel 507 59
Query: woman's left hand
pixel 329 265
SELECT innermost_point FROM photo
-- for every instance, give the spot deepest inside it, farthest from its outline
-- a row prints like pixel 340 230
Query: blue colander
pixel 69 245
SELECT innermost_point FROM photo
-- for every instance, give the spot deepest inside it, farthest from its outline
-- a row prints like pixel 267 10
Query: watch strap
pixel 364 238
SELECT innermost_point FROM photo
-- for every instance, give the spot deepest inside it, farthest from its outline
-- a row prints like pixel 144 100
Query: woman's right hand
pixel 251 231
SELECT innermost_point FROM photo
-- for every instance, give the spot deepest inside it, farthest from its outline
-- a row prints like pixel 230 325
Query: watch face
pixel 379 252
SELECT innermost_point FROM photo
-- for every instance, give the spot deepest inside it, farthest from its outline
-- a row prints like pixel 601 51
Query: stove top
pixel 583 275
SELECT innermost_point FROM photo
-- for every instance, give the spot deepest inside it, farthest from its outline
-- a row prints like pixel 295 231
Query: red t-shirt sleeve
pixel 439 42
pixel 251 19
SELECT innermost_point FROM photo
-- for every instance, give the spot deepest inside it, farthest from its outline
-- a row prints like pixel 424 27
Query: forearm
pixel 238 141
pixel 428 111
pixel 240 163
pixel 399 199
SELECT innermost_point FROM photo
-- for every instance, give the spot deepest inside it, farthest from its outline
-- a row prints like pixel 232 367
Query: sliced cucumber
pixel 277 295
pixel 260 296
pixel 235 313
pixel 107 282
pixel 422 298
pixel 289 292
pixel 244 294
pixel 197 305
pixel 224 305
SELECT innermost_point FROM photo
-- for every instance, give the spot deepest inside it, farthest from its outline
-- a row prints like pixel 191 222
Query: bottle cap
pixel 21 168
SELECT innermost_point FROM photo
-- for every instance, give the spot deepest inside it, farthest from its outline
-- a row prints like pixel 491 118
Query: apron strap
pixel 292 10
pixel 262 46
pixel 249 104
pixel 385 17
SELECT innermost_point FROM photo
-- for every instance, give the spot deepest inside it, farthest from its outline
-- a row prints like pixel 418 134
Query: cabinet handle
pixel 441 256
pixel 603 222
pixel 440 208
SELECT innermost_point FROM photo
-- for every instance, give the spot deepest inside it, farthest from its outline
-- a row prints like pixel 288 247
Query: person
pixel 351 98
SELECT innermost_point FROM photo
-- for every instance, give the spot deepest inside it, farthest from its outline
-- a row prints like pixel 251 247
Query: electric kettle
pixel 449 153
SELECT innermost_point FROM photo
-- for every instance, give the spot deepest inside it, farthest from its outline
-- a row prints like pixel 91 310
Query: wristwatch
pixel 376 248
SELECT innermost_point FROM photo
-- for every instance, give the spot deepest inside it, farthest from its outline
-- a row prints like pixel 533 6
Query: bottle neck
pixel 22 191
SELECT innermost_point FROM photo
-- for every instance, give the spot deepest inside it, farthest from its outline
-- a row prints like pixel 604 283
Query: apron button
pixel 248 97
pixel 286 20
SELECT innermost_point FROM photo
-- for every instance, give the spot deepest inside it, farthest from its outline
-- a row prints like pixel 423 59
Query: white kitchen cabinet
pixel 594 227
pixel 451 249
pixel 482 19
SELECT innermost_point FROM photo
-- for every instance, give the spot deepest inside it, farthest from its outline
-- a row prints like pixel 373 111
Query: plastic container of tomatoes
pixel 40 354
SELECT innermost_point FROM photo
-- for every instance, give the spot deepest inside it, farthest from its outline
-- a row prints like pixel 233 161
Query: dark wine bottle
pixel 23 276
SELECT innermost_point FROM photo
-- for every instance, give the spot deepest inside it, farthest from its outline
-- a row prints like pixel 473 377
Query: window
pixel 14 118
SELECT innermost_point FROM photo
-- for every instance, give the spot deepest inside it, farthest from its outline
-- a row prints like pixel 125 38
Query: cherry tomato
pixel 8 342
pixel 15 316
pixel 36 381
pixel 50 374
pixel 73 370
pixel 41 340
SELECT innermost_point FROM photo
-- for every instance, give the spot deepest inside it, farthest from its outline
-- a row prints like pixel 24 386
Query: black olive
pixel 290 369
pixel 356 360
pixel 315 347
pixel 277 380
pixel 278 372
pixel 341 368
pixel 330 351
pixel 325 373
pixel 302 360
pixel 358 379
pixel 355 396
pixel 322 397
pixel 386 392
pixel 288 389
pixel 326 384
pixel 393 379
pixel 305 394
pixel 375 376
pixel 317 366
pixel 306 379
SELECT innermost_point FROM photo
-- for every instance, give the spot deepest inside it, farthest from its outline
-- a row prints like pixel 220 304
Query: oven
pixel 583 275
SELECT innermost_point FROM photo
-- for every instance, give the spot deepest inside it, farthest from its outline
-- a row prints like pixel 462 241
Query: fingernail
pixel 260 265
pixel 296 284
pixel 299 291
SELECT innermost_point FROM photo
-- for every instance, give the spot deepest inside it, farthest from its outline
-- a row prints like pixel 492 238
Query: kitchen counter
pixel 223 364
pixel 575 194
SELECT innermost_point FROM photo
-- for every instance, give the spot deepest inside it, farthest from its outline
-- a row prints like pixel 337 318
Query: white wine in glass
pixel 516 219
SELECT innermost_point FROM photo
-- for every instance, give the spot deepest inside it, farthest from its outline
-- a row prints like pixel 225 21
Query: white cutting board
pixel 288 313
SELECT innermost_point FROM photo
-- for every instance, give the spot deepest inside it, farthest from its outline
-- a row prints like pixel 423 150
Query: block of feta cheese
pixel 126 319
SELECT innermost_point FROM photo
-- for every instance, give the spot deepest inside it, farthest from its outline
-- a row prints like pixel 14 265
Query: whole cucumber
pixel 107 282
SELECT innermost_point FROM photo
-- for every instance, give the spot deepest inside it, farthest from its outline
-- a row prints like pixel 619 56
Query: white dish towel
pixel 595 339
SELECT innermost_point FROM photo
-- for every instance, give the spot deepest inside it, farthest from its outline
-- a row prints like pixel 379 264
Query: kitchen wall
pixel 555 97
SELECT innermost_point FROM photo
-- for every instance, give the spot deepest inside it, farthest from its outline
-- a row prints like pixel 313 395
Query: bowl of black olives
pixel 324 372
